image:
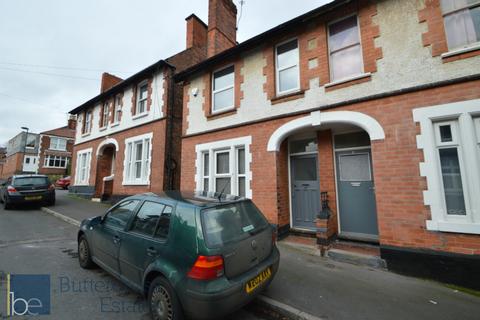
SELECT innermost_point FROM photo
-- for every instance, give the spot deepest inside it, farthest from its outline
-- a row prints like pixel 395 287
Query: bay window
pixel 450 140
pixel 223 83
pixel 287 67
pixel 205 171
pixel 55 162
pixel 462 22
pixel 345 49
pixel 448 145
pixel 224 167
pixel 137 160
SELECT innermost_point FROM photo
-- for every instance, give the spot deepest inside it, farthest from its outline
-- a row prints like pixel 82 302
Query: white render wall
pixel 127 121
pixel 405 63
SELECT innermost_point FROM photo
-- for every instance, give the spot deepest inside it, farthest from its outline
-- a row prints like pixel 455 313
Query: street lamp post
pixel 24 148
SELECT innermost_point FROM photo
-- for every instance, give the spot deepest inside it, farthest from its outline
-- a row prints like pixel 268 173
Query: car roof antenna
pixel 221 193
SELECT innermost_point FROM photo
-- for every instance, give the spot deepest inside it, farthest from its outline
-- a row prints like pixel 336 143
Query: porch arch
pixel 105 143
pixel 317 118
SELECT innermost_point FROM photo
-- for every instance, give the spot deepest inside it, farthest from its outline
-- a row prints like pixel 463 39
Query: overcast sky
pixel 52 52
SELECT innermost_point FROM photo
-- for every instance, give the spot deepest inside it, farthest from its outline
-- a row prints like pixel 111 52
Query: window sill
pixel 132 184
pixel 348 81
pixel 116 124
pixel 140 115
pixel 103 128
pixel 222 113
pixel 460 51
pixel 85 134
pixel 288 97
pixel 456 227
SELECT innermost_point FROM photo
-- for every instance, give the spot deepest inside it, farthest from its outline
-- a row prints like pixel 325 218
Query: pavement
pixel 308 286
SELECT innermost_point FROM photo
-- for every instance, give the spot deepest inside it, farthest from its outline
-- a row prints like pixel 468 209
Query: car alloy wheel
pixel 161 304
pixel 163 301
pixel 83 250
pixel 84 257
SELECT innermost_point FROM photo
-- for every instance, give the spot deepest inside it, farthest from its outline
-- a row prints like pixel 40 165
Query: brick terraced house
pixel 128 137
pixel 55 149
pixel 358 120
pixel 49 152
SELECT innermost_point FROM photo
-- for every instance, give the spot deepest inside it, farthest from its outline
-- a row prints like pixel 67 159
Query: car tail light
pixel 207 268
pixel 11 189
pixel 52 187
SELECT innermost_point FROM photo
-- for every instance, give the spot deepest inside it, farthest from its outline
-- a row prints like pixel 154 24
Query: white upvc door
pixel 30 164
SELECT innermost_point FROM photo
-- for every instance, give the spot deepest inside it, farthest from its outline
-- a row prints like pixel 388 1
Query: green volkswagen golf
pixel 194 254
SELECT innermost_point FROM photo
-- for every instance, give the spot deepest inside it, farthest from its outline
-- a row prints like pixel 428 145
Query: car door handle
pixel 151 251
pixel 116 239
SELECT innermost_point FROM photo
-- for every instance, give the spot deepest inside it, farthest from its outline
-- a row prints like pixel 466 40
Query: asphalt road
pixel 32 242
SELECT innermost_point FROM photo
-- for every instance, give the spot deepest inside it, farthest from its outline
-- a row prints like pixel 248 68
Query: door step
pixel 357 258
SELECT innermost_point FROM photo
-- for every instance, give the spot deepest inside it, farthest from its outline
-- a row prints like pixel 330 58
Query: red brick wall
pixel 196 32
pixel 399 186
pixel 12 165
pixel 157 159
pixel 326 159
pixel 222 26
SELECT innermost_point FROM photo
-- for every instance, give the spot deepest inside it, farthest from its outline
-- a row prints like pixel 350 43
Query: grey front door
pixel 356 195
pixel 305 191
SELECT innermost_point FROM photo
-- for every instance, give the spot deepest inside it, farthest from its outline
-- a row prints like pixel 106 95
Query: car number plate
pixel 258 280
pixel 33 198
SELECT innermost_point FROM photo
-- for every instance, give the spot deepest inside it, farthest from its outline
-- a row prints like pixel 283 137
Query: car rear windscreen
pixel 231 222
pixel 30 181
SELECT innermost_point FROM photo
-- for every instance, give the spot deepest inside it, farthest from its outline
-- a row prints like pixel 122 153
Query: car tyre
pixel 163 302
pixel 84 255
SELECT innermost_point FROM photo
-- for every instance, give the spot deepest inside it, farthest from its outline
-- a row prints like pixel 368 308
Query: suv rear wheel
pixel 163 301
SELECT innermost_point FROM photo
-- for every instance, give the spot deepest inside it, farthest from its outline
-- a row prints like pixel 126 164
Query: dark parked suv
pixel 202 255
pixel 21 189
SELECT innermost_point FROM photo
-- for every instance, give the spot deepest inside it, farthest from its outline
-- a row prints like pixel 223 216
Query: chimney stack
pixel 222 26
pixel 196 32
pixel 72 122
pixel 108 81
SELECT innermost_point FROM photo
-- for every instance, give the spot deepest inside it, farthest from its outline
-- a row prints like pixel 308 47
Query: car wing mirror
pixel 96 221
